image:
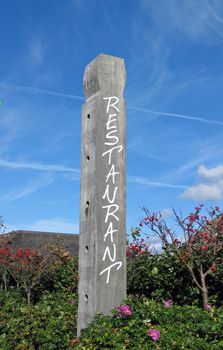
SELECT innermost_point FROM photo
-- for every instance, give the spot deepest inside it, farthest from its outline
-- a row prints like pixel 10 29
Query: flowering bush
pixel 162 277
pixel 26 267
pixel 3 267
pixel 51 322
pixel 153 326
pixel 198 244
pixel 138 246
pixel 33 272
pixel 5 253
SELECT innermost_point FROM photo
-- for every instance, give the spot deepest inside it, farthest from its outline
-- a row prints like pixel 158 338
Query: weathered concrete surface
pixel 41 240
pixel 102 244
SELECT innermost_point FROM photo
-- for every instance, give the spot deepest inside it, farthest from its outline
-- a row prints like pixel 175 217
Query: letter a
pixel 110 232
pixel 112 173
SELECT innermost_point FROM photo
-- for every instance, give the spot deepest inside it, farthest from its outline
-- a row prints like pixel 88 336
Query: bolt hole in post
pixel 88 116
pixel 86 298
pixel 88 158
pixel 86 249
pixel 87 209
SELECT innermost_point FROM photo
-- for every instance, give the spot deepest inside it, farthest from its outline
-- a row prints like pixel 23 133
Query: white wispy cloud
pixel 138 143
pixel 209 186
pixel 216 16
pixel 158 28
pixel 37 166
pixel 11 128
pixel 31 90
pixel 194 20
pixel 177 115
pixel 57 224
pixel 196 152
pixel 72 176
pixel 26 190
pixel 144 181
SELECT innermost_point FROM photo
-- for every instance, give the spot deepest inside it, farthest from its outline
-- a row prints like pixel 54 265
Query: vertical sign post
pixel 102 247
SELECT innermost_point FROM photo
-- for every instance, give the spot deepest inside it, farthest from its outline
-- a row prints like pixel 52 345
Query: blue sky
pixel 173 52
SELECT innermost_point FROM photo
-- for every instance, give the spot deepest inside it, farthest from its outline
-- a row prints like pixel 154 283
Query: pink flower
pixel 207 307
pixel 154 334
pixel 73 301
pixel 213 267
pixel 168 303
pixel 205 235
pixel 124 310
pixel 191 218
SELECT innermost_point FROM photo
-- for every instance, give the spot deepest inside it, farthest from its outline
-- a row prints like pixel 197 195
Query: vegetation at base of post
pixel 152 325
pixel 165 309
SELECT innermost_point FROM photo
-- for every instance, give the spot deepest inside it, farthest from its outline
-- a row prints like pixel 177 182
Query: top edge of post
pixel 103 72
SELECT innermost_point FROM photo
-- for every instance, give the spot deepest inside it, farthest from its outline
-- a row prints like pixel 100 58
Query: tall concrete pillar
pixel 102 247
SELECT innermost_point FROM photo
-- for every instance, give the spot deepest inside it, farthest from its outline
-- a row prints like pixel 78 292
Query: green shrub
pixel 160 277
pixel 33 273
pixel 196 241
pixel 61 276
pixel 50 324
pixel 189 328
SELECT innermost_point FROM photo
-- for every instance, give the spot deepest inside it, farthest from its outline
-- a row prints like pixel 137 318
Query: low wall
pixel 41 240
